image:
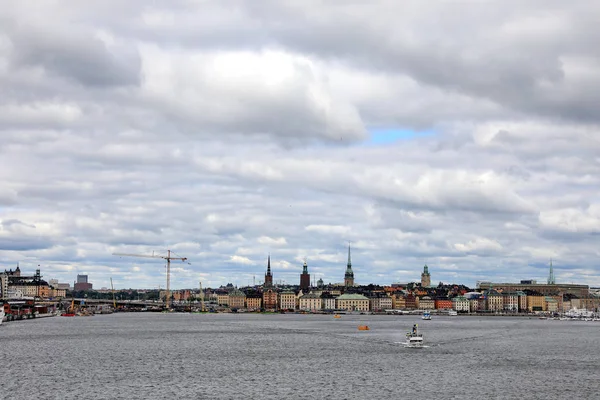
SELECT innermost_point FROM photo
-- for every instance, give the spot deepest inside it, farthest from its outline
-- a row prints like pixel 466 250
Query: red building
pixel 304 277
pixel 443 304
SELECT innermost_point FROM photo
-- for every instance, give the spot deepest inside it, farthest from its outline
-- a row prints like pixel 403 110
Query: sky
pixel 464 136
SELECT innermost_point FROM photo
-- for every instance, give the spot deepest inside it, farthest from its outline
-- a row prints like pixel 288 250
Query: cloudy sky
pixel 464 136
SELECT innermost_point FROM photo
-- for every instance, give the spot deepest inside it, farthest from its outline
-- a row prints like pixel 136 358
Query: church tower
pixel 304 277
pixel 349 275
pixel 425 277
pixel 268 275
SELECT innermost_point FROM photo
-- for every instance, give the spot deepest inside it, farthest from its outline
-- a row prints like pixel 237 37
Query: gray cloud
pixel 225 133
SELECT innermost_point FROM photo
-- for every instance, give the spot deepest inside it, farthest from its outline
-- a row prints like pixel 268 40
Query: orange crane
pixel 168 257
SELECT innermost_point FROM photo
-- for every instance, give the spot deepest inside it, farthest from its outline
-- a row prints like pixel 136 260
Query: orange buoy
pixel 363 328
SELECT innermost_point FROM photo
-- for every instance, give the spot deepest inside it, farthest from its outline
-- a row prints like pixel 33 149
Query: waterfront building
pixel 460 303
pixel 522 300
pixel 328 300
pixel 222 297
pixel 493 300
pixel 269 299
pixel 304 277
pixel 474 304
pixel 254 301
pixel 349 275
pixel 551 304
pixel 379 301
pixel 398 301
pixel 310 302
pixel 410 301
pixel 510 301
pixel 352 302
pixel 536 302
pixel 425 303
pixel 580 291
pixel 425 277
pixel 443 304
pixel 237 299
pixel 288 300
pixel 268 275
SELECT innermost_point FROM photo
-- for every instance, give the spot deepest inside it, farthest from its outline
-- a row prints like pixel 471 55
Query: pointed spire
pixel 305 267
pixel 551 279
pixel 349 258
pixel 269 265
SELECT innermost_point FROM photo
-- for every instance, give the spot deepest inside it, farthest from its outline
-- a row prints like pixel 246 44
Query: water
pixel 184 356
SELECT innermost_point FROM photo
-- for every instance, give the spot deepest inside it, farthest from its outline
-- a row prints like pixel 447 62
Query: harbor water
pixel 276 356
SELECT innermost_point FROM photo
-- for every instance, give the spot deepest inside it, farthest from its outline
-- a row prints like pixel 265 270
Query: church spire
pixel 305 267
pixel 349 275
pixel 349 258
pixel 551 279
pixel 268 275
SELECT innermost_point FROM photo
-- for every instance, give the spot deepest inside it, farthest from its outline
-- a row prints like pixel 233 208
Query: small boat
pixel 67 314
pixel 426 315
pixel 414 339
pixel 452 313
pixel 363 328
pixel 1 314
pixel 337 316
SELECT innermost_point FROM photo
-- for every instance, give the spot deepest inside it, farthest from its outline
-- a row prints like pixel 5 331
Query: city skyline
pixel 467 141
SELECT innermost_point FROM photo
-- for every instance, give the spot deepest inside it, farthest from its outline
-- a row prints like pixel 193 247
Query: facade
pixel 460 303
pixel 222 297
pixel 304 277
pixel 510 301
pixel 398 301
pixel 493 300
pixel 237 299
pixel 536 303
pixel 352 302
pixel 349 275
pixel 425 303
pixel 288 300
pixel 254 301
pixel 443 304
pixel 82 283
pixel 268 275
pixel 379 302
pixel 410 301
pixel 310 302
pixel 580 291
pixel 328 301
pixel 269 299
pixel 425 277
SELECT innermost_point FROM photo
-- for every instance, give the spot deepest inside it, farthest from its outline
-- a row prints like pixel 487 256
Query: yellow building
pixel 398 301
pixel 352 302
pixel 536 303
pixel 253 302
pixel 425 303
pixel 237 299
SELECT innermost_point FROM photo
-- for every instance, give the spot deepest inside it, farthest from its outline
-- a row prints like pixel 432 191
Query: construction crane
pixel 201 298
pixel 168 257
pixel 112 289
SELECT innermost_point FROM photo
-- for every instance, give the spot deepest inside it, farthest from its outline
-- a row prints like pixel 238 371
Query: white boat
pixel 414 339
pixel 452 313
pixel 426 315
pixel 1 314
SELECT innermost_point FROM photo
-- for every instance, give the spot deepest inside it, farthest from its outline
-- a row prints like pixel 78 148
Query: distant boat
pixel 1 314
pixel 426 315
pixel 414 339
pixel 452 313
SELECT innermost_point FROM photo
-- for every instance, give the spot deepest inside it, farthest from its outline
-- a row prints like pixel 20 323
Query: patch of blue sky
pixel 386 136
